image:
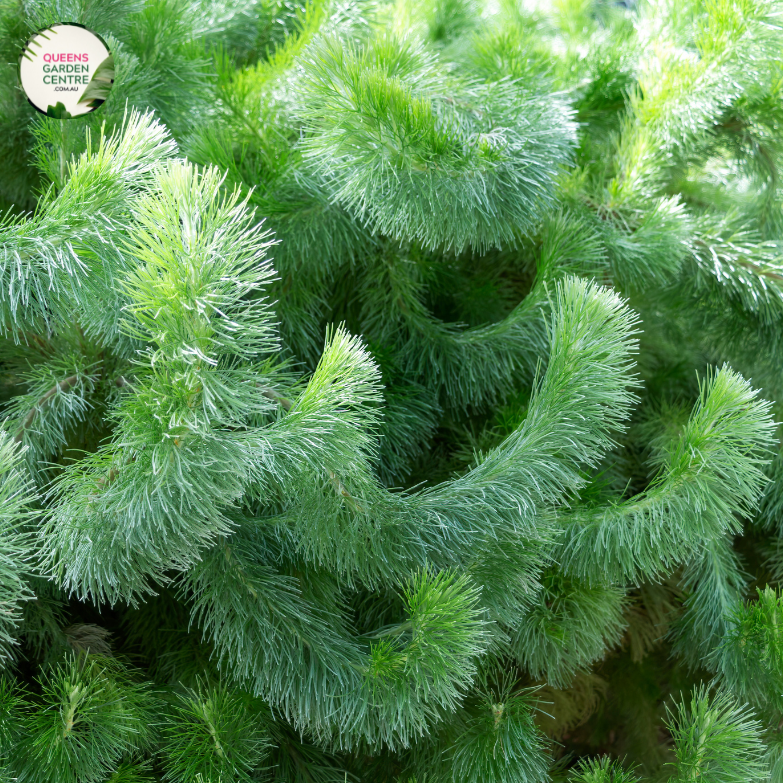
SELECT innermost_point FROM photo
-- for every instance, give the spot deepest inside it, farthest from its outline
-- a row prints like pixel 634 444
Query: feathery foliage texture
pixel 390 393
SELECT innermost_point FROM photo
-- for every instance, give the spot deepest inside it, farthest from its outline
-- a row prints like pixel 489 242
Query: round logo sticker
pixel 66 70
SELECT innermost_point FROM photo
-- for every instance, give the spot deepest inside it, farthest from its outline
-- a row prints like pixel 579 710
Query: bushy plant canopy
pixel 390 393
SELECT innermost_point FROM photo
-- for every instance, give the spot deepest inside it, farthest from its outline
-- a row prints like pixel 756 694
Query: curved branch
pixel 63 386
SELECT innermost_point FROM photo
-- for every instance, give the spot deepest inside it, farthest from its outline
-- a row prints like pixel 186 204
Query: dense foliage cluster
pixel 389 393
